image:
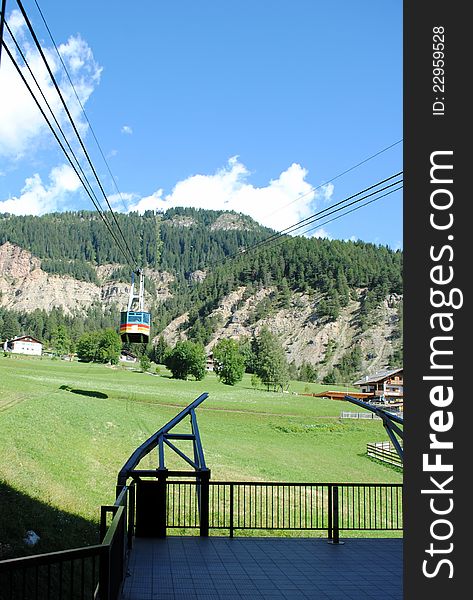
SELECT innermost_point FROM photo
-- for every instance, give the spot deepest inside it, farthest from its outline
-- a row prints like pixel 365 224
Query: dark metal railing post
pixel 162 504
pixel 204 477
pixel 103 522
pixel 124 501
pixel 131 515
pixel 231 508
pixel 330 514
pixel 335 516
pixel 104 510
pixel 104 573
pixel 336 530
pixel 118 564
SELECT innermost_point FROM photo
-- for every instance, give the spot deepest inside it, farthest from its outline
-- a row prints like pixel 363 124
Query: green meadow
pixel 66 429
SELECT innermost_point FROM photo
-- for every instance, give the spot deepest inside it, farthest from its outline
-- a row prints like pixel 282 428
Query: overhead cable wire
pixel 53 79
pixel 312 218
pixel 353 209
pixel 330 210
pixel 285 239
pixel 313 189
pixel 97 205
pixel 66 141
pixel 81 105
pixel 276 241
pixel 299 224
pixel 2 22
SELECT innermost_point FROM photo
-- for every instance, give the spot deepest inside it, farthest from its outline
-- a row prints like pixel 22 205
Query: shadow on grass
pixel 381 463
pixel 89 393
pixel 57 529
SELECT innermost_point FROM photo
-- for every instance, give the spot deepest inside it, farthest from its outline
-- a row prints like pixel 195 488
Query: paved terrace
pixel 178 568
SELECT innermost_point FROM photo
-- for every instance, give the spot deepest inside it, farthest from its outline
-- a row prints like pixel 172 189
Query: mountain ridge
pixel 320 297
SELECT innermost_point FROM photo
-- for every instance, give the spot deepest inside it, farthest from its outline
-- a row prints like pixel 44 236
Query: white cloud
pixel 282 202
pixel 119 201
pixel 127 129
pixel 272 205
pixel 321 233
pixel 153 202
pixel 22 127
pixel 65 179
pixel 38 199
pixel 327 191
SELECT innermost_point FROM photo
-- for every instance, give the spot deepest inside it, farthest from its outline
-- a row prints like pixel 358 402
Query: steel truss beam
pixel 389 423
pixel 161 438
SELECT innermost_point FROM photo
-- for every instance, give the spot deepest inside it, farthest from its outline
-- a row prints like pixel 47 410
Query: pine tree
pixel 87 346
pixel 159 351
pixel 307 372
pixel 62 341
pixel 11 327
pixel 229 362
pixel 270 360
pixel 109 347
pixel 145 363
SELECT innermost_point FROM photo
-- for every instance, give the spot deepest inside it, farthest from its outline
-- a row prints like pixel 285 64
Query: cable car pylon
pixel 135 322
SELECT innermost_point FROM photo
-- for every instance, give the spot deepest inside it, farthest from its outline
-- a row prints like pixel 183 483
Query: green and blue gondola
pixel 135 325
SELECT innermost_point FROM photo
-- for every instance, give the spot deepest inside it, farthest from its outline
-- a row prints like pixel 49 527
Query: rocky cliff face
pixel 229 222
pixel 305 336
pixel 24 286
pixel 16 262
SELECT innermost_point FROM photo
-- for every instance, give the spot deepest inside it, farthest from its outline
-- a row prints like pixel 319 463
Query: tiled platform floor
pixel 179 568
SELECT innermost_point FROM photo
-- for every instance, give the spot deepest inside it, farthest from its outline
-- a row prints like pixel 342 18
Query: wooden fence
pixel 385 452
pixel 358 415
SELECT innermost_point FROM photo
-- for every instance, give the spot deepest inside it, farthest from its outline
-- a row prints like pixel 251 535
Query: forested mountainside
pixel 181 239
pixel 200 265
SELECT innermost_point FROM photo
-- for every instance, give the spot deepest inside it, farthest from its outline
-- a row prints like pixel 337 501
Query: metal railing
pixel 97 572
pixel 385 452
pixel 90 573
pixel 327 507
pixel 71 574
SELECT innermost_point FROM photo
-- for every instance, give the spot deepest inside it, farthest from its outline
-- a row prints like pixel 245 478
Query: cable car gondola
pixel 135 324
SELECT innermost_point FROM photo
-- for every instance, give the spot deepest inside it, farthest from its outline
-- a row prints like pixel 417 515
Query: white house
pixel 25 344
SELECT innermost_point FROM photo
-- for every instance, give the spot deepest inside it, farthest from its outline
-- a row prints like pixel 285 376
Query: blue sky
pixel 245 105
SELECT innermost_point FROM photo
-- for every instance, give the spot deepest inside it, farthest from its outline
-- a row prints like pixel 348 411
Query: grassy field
pixel 67 428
